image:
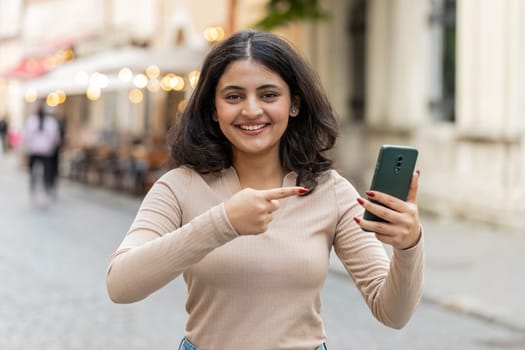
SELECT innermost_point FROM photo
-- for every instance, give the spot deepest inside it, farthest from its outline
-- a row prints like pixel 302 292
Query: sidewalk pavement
pixel 471 268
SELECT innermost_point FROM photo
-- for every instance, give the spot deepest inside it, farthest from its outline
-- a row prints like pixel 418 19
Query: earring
pixel 293 112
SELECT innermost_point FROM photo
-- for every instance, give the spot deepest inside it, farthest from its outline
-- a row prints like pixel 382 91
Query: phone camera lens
pixel 397 170
pixel 399 158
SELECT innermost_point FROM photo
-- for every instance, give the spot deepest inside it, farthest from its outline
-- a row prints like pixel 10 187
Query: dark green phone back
pixel 393 173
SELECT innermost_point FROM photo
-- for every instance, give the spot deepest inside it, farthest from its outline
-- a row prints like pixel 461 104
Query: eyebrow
pixel 262 87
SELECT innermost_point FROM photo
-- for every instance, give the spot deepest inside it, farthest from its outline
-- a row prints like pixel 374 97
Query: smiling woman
pixel 253 105
pixel 252 210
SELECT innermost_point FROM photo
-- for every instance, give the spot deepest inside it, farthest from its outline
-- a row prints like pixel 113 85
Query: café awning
pixel 178 60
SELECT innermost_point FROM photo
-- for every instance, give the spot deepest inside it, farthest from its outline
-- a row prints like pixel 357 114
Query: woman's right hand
pixel 250 211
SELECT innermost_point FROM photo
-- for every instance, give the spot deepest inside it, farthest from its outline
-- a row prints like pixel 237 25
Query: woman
pixel 253 209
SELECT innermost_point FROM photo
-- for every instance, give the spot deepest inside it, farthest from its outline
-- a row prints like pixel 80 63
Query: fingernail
pixel 357 220
pixel 360 201
pixel 370 194
pixel 418 172
pixel 303 190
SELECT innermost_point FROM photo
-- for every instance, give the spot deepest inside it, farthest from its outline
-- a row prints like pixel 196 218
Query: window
pixel 443 22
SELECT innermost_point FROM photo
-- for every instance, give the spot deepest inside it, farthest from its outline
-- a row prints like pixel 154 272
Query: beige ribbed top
pixel 258 292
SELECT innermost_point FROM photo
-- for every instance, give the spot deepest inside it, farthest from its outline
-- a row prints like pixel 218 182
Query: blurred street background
pixel 445 76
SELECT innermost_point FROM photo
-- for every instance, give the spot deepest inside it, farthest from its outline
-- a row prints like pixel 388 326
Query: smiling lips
pixel 254 127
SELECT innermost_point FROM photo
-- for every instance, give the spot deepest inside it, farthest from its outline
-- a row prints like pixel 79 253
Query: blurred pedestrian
pixel 254 207
pixel 4 130
pixel 55 158
pixel 41 137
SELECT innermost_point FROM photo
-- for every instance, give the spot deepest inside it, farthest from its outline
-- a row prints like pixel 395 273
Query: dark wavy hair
pixel 196 141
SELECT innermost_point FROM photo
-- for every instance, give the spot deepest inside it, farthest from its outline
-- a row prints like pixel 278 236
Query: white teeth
pixel 252 127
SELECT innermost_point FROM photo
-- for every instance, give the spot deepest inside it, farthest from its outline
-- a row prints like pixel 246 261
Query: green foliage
pixel 281 12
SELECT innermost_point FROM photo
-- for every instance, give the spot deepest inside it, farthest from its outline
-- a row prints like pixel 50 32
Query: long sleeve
pixel 158 246
pixel 391 288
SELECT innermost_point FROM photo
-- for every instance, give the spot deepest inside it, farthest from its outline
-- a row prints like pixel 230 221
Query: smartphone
pixel 393 173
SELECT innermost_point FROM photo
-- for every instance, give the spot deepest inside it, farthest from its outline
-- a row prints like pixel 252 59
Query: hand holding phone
pixel 393 173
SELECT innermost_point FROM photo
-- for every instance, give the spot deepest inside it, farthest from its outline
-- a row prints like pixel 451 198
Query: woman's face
pixel 252 105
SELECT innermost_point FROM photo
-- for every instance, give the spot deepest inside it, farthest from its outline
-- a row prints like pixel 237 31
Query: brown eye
pixel 270 95
pixel 233 97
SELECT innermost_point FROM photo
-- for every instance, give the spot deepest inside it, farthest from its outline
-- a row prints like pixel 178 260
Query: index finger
pixel 283 192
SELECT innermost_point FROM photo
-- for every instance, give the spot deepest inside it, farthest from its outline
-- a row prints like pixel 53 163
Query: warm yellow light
pixel 99 80
pixel 61 96
pixel 193 77
pixel 69 54
pixel 153 85
pixel 213 34
pixel 52 99
pixel 31 95
pixel 93 93
pixel 153 71
pixel 125 74
pixel 135 96
pixel 64 55
pixel 140 81
pixel 165 82
pixel 177 83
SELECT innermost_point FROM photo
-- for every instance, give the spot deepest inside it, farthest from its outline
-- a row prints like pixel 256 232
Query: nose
pixel 251 108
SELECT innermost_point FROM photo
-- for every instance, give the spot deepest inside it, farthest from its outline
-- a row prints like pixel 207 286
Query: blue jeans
pixel 186 345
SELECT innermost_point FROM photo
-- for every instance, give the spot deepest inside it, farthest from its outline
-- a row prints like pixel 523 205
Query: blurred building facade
pixel 444 76
pixel 126 60
pixel 441 75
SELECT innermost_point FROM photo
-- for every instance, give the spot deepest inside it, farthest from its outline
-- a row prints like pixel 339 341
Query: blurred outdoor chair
pixel 159 163
pixel 128 168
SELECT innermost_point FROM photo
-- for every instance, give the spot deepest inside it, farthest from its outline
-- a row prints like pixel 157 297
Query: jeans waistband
pixel 186 345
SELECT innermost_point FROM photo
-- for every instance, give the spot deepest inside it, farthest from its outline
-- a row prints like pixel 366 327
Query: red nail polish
pixel 370 194
pixel 303 190
pixel 357 220
pixel 360 201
